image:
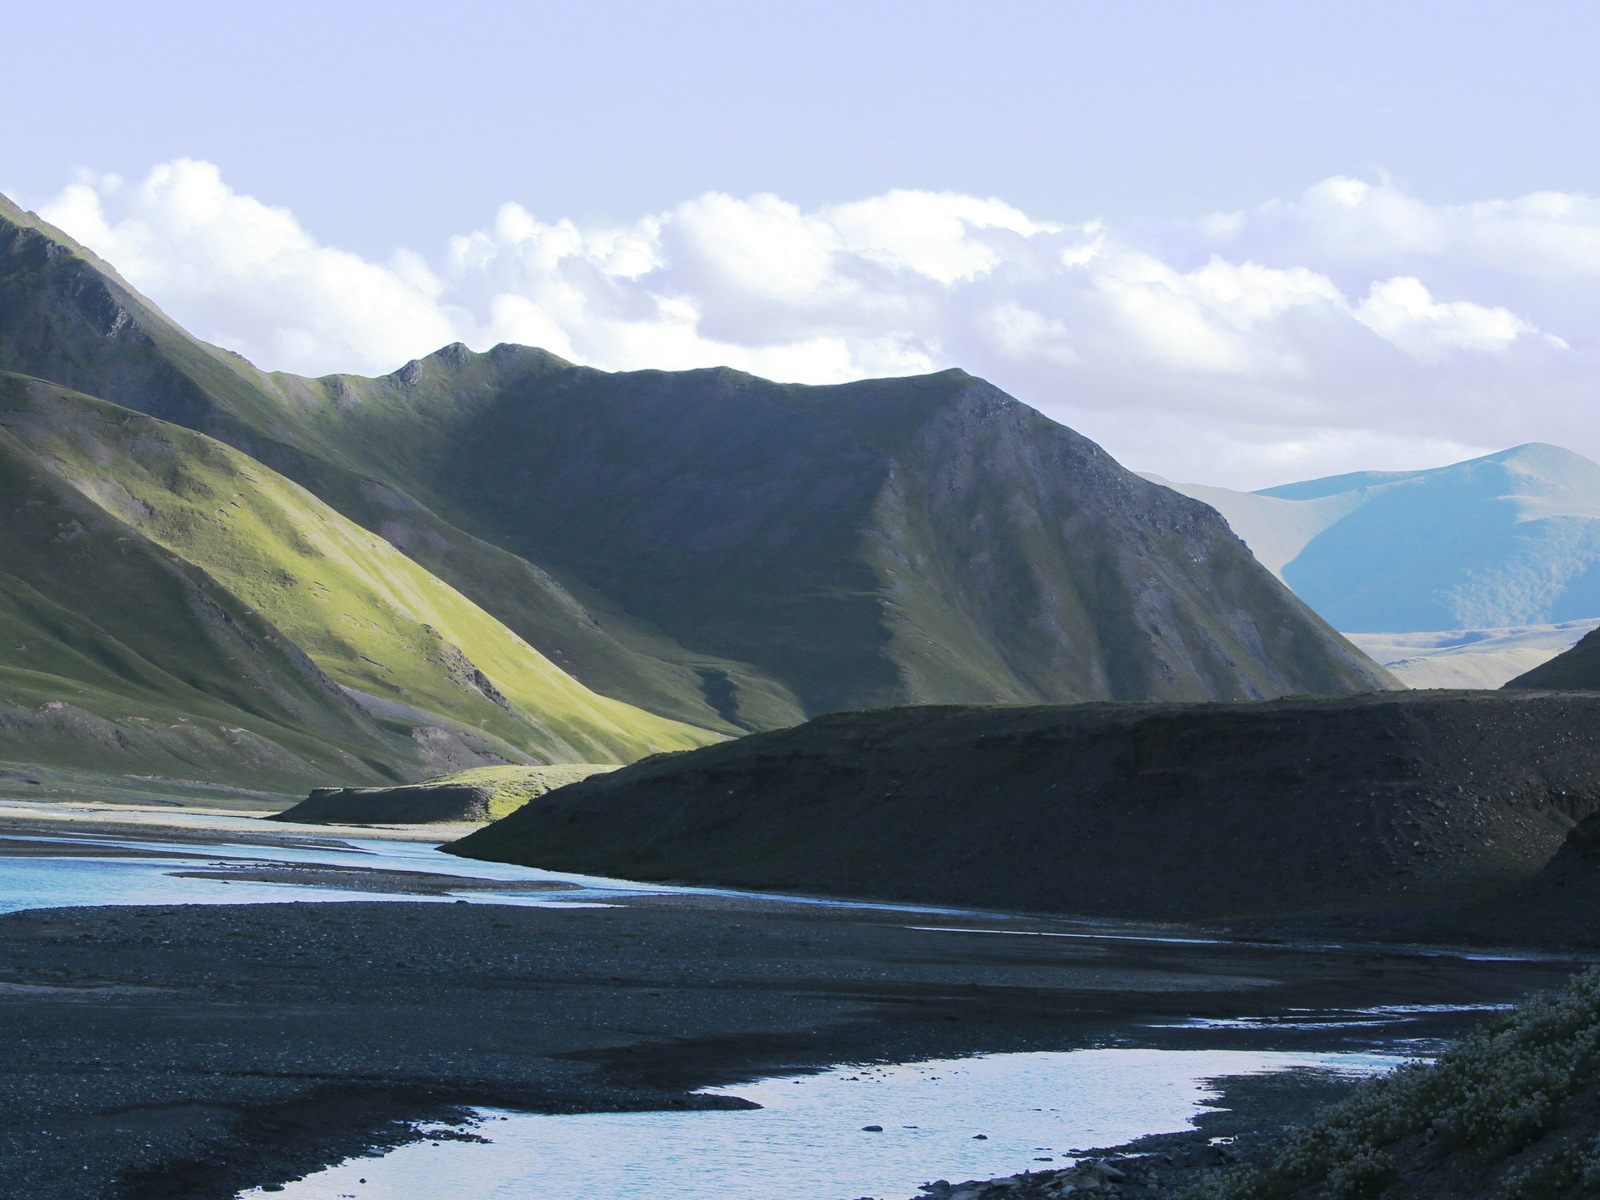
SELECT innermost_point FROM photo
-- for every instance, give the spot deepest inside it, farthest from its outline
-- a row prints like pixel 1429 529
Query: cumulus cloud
pixel 1355 326
pixel 248 276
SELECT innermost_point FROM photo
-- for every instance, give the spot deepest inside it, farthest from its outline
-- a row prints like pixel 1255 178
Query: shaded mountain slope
pixel 720 549
pixel 1303 806
pixel 1508 539
pixel 889 541
pixel 1578 669
pixel 370 618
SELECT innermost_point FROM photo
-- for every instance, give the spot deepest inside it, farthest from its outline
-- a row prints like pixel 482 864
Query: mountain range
pixel 1509 539
pixel 502 556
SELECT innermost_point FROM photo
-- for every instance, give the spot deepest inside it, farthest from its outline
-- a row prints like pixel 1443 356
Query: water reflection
pixel 848 1132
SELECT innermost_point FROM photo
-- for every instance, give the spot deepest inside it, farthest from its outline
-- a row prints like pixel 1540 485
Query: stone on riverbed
pixel 1087 1175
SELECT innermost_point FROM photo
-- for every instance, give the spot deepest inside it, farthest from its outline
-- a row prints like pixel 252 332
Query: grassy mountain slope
pixel 890 541
pixel 66 316
pixel 1509 539
pixel 368 616
pixel 731 552
pixel 117 658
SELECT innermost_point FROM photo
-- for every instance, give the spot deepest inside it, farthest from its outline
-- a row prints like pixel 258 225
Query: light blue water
pixel 58 880
pixel 807 1141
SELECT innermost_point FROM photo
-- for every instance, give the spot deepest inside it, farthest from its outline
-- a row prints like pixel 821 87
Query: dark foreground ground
pixel 175 1052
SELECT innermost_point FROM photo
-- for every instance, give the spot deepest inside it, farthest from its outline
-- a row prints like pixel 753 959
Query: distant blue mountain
pixel 1508 539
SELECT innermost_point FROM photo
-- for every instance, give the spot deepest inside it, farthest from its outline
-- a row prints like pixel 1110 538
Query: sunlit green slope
pixel 67 317
pixel 117 659
pixel 366 615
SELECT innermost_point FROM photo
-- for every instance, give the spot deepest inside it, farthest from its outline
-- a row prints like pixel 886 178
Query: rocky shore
pixel 1136 1177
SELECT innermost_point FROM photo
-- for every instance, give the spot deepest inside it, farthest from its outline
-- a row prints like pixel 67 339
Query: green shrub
pixel 1494 1093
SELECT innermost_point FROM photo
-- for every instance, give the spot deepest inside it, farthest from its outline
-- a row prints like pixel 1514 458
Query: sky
pixel 1235 243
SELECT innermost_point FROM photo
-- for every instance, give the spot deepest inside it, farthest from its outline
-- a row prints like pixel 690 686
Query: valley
pixel 507 557
pixel 504 733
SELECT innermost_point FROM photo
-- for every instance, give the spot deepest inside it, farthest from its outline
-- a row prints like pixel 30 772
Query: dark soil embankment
pixel 418 804
pixel 1577 669
pixel 1179 812
pixel 1558 906
pixel 480 794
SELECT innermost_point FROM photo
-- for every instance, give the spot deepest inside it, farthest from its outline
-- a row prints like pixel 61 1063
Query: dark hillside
pixel 1180 812
pixel 1577 669
pixel 1560 906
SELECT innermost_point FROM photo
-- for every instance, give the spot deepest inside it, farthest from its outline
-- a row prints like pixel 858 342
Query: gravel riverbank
pixel 178 1052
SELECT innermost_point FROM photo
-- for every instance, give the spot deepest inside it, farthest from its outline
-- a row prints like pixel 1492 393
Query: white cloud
pixel 1354 326
pixel 248 276
pixel 1401 311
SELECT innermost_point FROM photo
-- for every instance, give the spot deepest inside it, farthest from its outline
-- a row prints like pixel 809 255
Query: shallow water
pixel 1384 1016
pixel 115 869
pixel 807 1141
pixel 147 871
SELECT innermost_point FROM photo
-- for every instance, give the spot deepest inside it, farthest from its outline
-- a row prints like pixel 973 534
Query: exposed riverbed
pixel 166 1042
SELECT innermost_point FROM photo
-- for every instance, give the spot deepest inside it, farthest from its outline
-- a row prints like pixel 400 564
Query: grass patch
pixel 510 788
pixel 479 794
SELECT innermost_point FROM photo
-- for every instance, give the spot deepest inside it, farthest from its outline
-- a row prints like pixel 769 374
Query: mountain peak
pixel 457 357
pixel 1543 458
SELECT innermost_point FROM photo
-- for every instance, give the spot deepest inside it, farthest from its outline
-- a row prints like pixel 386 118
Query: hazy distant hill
pixel 1470 658
pixel 1510 539
pixel 702 546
